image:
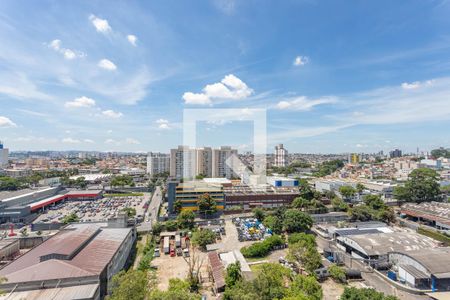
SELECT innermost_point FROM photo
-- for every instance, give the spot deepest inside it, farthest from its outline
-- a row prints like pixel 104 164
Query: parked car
pixel 186 252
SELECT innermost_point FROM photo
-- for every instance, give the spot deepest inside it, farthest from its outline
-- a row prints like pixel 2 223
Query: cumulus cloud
pixel 68 54
pixel 132 39
pixel 229 88
pixel 107 65
pixel 89 141
pixel 303 103
pixel 101 25
pixel 416 84
pixel 70 141
pixel 80 102
pixel 300 61
pixel 163 124
pixel 6 122
pixel 112 114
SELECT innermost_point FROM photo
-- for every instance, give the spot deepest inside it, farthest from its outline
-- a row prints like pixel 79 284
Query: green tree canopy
pixel 352 293
pixel 274 223
pixel 259 214
pixel 206 204
pixel 295 221
pixel 203 237
pixel 233 274
pixel 186 219
pixel 347 192
pixel 422 186
pixel 129 285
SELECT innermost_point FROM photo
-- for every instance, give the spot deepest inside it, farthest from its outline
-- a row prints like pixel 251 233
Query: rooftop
pixel 437 211
pixel 82 249
pixel 436 260
pixel 11 195
pixel 382 243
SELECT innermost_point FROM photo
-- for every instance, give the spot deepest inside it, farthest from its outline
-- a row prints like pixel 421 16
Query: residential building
pixel 182 162
pixel 220 168
pixel 395 153
pixel 204 162
pixel 157 163
pixel 4 155
pixel 281 156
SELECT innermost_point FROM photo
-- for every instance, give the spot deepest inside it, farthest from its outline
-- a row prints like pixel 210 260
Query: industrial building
pixel 423 269
pixel 81 257
pixel 15 206
pixel 434 214
pixel 19 206
pixel 374 247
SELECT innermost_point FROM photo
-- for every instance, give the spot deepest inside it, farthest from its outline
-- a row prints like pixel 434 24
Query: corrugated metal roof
pixel 216 269
pixel 91 259
pixel 436 261
pixel 78 292
pixel 414 272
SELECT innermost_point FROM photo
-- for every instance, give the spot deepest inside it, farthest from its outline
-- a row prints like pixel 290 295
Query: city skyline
pixel 118 78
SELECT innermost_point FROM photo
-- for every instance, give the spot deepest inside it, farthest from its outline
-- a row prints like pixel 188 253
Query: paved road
pixel 151 216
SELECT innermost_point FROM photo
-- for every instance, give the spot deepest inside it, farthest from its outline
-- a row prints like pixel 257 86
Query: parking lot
pixel 93 211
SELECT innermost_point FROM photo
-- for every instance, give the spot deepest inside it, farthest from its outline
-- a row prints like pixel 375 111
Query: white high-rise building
pixel 281 156
pixel 219 165
pixel 157 163
pixel 4 155
pixel 188 162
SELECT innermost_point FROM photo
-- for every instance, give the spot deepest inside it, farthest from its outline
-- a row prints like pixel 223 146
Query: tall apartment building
pixel 4 154
pixel 220 168
pixel 281 156
pixel 157 163
pixel 395 153
pixel 188 162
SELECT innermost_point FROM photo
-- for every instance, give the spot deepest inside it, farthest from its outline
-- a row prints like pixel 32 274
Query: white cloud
pixel 6 122
pixel 132 39
pixel 163 124
pixel 18 85
pixel 101 25
pixel 70 141
pixel 229 88
pixel 300 61
pixel 107 65
pixel 411 86
pixel 111 141
pixel 89 141
pixel 302 103
pixel 80 102
pixel 112 114
pixel 132 141
pixel 68 54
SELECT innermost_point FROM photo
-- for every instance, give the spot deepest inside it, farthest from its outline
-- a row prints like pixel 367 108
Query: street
pixel 151 215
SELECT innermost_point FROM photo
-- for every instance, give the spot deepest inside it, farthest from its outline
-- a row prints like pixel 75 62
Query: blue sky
pixel 334 76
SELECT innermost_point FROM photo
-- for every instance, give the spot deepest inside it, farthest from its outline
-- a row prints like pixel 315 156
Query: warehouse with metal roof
pixel 82 255
pixel 425 268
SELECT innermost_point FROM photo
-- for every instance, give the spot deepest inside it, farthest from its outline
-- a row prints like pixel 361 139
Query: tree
pixel 300 203
pixel 203 237
pixel 274 223
pixel 178 290
pixel 441 152
pixel 305 286
pixel 70 218
pixel 233 274
pixel 337 273
pixel 347 192
pixel 157 228
pixel 422 186
pixel 206 204
pixel 130 211
pixel 352 293
pixel 177 205
pixel 295 221
pixel 270 281
pixel 306 238
pixel 338 204
pixel 242 290
pixel 360 187
pixel 259 214
pixel 186 219
pixel 81 182
pixel 129 285
pixel 171 225
pixel 305 254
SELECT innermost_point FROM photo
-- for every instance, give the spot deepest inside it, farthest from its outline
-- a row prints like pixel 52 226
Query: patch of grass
pixel 435 235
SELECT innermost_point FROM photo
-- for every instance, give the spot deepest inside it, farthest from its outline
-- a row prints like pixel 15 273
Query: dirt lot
pixel 177 267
